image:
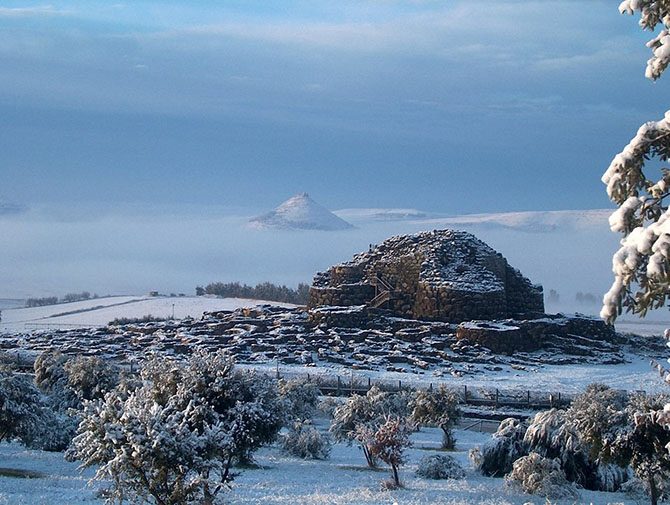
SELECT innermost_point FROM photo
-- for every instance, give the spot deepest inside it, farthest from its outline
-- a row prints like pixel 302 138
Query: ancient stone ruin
pixel 443 275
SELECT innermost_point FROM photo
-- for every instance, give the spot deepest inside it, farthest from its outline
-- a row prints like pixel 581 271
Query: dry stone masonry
pixel 443 275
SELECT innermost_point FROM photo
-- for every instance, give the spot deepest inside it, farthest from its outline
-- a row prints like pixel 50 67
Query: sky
pixel 140 136
pixel 453 107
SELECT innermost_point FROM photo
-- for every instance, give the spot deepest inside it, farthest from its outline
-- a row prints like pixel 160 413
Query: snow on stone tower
pixel 443 275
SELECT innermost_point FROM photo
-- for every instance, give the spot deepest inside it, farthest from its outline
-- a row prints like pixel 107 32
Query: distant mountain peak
pixel 300 212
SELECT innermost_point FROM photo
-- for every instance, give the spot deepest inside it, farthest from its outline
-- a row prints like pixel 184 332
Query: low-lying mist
pixel 136 250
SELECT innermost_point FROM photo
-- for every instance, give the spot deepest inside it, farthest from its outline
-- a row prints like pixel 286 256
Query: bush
pixel 304 441
pixel 497 456
pixel 301 396
pixel 263 291
pixel 438 466
pixel 173 439
pixel 535 474
pixel 148 318
pixel 20 406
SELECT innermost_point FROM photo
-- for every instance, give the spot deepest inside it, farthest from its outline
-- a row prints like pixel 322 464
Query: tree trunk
pixel 448 439
pixel 396 479
pixel 653 491
pixel 372 462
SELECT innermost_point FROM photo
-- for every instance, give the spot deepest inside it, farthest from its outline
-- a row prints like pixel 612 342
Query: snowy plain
pixel 100 311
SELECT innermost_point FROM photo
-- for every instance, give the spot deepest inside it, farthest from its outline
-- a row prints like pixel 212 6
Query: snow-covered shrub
pixel 53 430
pixel 50 374
pixel 535 474
pixel 643 444
pixel 328 405
pixel 496 457
pixel 20 406
pixel 68 381
pixel 173 440
pixel 552 435
pixel 301 396
pixel 387 442
pixel 90 377
pixel 437 407
pixel 304 441
pixel 438 466
pixel 369 412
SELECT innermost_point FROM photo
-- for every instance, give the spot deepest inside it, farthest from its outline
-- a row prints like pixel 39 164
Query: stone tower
pixel 442 275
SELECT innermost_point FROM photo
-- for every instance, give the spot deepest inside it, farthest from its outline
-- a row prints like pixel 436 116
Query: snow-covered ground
pixel 100 311
pixel 342 480
pixel 637 375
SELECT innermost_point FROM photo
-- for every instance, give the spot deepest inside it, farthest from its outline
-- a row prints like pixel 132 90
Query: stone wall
pixel 512 336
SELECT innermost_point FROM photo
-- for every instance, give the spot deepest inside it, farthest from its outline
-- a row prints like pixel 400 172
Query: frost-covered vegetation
pixel 437 407
pixel 53 300
pixel 642 263
pixel 595 444
pixel 361 415
pixel 304 441
pixel 262 291
pixel 175 438
pixel 438 466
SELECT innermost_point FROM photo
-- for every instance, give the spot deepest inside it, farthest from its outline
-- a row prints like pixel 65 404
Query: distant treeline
pixel 263 291
pixel 53 300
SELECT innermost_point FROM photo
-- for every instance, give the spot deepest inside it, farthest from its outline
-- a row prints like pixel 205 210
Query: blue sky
pixel 454 107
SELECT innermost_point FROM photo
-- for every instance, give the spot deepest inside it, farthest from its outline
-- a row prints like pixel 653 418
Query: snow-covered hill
pixel 381 214
pixel 531 221
pixel 100 311
pixel 302 213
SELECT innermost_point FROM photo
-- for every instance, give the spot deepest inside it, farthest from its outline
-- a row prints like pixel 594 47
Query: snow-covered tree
pixel 173 440
pixel 70 380
pixel 369 411
pixel 437 407
pixel 387 442
pixel 642 264
pixel 304 441
pixel 633 436
pixel 20 406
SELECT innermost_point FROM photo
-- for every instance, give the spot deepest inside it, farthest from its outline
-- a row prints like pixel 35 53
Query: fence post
pixel 430 387
pixel 465 393
pixel 369 383
pixel 339 385
pixel 528 393
pixel 399 385
pixel 307 376
pixel 559 398
pixel 496 397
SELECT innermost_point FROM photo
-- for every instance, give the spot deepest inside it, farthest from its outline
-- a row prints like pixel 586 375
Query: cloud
pixel 20 12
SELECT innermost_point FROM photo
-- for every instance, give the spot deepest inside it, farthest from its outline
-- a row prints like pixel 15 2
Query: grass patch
pixel 20 474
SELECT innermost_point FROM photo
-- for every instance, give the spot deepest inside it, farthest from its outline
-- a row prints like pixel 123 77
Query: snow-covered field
pixel 100 311
pixel 342 480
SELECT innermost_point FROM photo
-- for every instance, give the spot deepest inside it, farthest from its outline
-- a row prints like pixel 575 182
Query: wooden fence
pixel 336 385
